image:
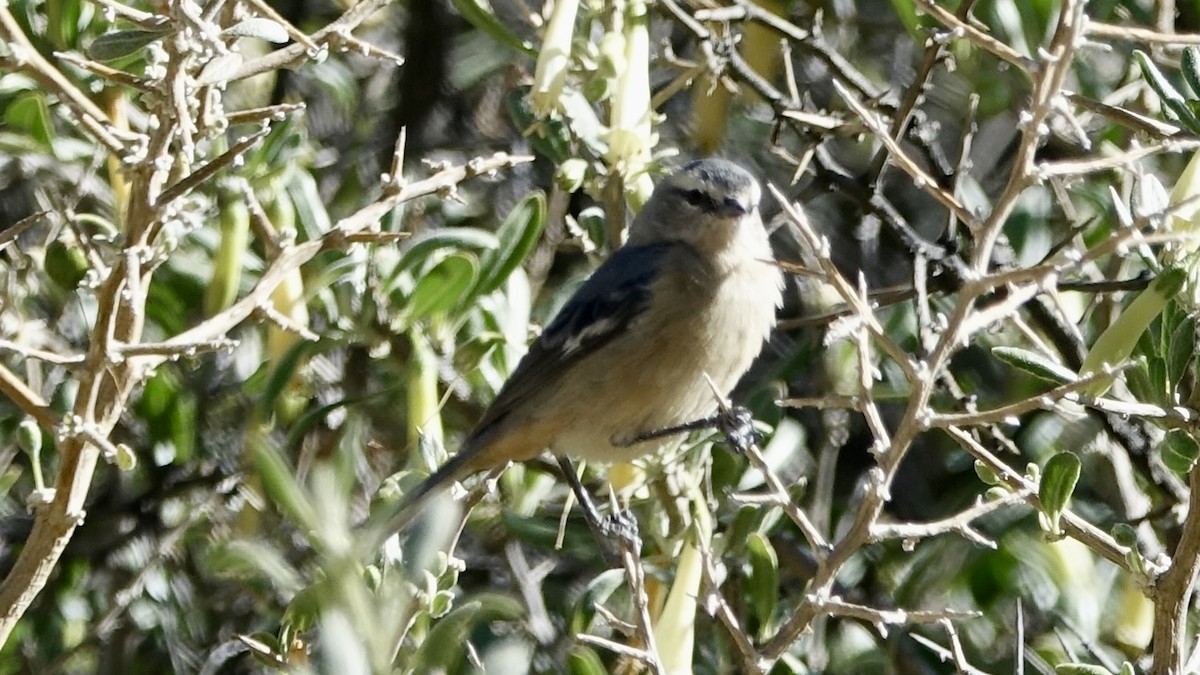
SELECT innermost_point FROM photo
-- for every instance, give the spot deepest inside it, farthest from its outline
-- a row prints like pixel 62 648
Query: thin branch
pixel 976 36
pixel 910 166
pixel 293 55
pixel 25 58
pixel 202 174
pixel 1174 589
pixel 836 606
pixel 1075 527
pixel 1139 34
pixel 959 522
pixel 29 401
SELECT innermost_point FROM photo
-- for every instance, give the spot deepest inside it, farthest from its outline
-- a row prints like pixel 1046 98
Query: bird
pixel 689 299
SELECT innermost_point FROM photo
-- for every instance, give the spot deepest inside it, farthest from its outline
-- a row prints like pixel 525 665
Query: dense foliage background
pixel 264 263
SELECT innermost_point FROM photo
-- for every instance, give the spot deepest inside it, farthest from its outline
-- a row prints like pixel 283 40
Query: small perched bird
pixel 692 294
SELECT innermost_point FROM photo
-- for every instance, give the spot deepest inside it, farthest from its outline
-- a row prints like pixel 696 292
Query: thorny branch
pixel 981 279
pixel 117 359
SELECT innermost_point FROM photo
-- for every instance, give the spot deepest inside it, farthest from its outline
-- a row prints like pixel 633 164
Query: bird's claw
pixel 618 534
pixel 736 423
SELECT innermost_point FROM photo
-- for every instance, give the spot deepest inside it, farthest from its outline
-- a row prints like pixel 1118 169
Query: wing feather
pixel 603 307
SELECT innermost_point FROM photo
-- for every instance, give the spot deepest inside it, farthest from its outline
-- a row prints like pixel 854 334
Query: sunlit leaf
pixel 1035 364
pixel 518 235
pixel 1059 477
pixel 114 45
pixel 259 27
pixel 1179 451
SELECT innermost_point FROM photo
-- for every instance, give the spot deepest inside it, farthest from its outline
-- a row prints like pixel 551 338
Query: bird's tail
pixel 411 504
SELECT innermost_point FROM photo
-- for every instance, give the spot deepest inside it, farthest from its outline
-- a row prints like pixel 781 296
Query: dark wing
pixel 603 307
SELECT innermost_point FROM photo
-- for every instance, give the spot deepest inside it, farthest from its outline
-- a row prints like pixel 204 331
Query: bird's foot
pixel 618 535
pixel 736 423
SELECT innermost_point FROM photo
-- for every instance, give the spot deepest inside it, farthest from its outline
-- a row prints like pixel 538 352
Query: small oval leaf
pixel 1059 478
pixel 1035 364
pixel 1179 451
pixel 120 43
pixel 220 68
pixel 259 27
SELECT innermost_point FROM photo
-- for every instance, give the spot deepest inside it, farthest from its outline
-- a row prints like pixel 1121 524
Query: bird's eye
pixel 694 197
pixel 734 205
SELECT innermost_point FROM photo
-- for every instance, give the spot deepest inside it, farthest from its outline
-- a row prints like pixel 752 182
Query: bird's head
pixel 711 204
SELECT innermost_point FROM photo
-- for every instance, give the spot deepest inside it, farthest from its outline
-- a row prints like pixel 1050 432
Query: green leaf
pixel 309 205
pixel 1154 77
pixel 1080 669
pixel 29 437
pixel 445 645
pixel 1180 350
pixel 1116 343
pixel 518 235
pixel 280 374
pixel 549 137
pixel 597 593
pixel 1124 534
pixel 421 247
pixel 1179 451
pixel 1137 379
pixel 762 585
pixel 258 27
pixel 479 14
pixel 114 45
pixel 125 459
pixel 1059 477
pixel 182 423
pixel 250 559
pixel 279 482
pixel 986 474
pixel 443 287
pixel 158 395
pixel 65 265
pixel 1190 67
pixel 583 660
pixel 1035 364
pixel 62 22
pixel 1156 367
pixel 1182 112
pixel 30 114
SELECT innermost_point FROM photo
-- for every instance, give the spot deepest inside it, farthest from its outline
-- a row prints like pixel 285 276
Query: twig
pixel 295 54
pixel 202 174
pixel 784 500
pixel 1139 34
pixel 977 36
pixel 959 522
pixel 1173 590
pixel 1075 527
pixel 910 166
pixel 275 113
pixel 715 604
pixel 836 606
pixel 29 401
pixel 25 58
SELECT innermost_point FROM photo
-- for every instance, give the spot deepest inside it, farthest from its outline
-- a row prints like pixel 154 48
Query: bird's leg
pixel 616 534
pixel 655 434
pixel 734 422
